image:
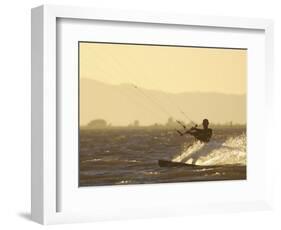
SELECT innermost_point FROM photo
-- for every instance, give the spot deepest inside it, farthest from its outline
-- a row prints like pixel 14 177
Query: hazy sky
pixel 170 69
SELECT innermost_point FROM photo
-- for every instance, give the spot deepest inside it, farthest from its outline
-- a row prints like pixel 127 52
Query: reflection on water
pixel 128 156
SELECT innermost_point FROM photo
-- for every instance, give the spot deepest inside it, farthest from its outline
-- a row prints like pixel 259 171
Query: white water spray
pixel 216 152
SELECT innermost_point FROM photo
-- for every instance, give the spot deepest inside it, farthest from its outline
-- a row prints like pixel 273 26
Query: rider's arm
pixel 194 131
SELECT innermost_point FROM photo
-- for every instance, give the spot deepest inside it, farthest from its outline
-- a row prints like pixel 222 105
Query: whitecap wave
pixel 216 152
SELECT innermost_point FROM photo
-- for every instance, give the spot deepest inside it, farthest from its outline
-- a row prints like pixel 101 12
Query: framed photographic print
pixel 131 134
pixel 140 114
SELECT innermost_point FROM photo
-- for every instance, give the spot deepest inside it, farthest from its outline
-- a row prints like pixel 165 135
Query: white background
pixel 15 113
pixel 110 199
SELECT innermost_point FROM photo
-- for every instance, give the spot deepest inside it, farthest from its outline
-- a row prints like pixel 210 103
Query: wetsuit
pixel 203 135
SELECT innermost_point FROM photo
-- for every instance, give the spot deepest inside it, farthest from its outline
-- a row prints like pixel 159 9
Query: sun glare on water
pixel 216 152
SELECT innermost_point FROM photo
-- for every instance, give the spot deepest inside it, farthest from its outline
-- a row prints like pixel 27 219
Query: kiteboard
pixel 166 163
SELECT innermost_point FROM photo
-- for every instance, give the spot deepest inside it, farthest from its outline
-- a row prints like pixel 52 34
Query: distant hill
pixel 122 104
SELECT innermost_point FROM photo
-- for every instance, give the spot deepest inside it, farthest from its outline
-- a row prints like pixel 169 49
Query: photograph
pixel 161 113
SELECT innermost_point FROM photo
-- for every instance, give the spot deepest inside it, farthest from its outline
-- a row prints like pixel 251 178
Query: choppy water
pixel 127 156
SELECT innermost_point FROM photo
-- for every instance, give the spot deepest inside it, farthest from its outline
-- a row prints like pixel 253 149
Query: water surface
pixel 130 156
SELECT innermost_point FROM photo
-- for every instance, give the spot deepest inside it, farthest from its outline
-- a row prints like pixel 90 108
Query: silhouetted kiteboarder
pixel 203 135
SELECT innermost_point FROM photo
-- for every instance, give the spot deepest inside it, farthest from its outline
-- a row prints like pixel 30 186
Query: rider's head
pixel 205 123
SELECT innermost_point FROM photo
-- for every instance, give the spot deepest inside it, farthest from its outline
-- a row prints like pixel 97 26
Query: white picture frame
pixel 46 181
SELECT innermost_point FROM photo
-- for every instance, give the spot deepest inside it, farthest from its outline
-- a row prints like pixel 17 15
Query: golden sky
pixel 166 68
